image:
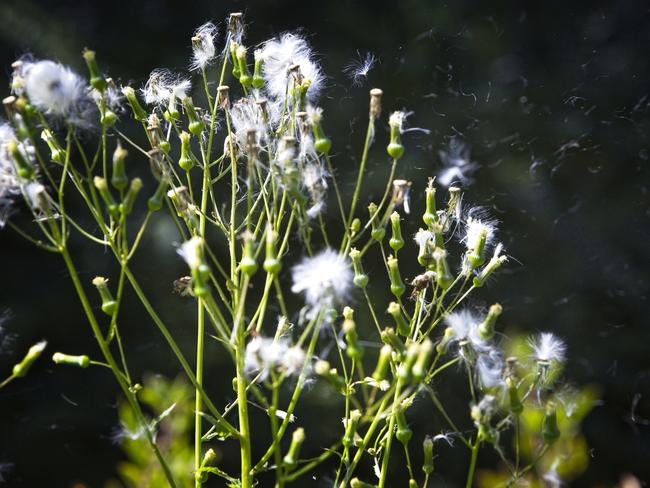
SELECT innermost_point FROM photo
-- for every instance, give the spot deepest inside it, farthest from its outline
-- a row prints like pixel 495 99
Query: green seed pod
pixel 80 361
pixel 97 81
pixel 404 432
pixel 427 448
pixel 248 264
pixel 396 241
pixel 382 363
pixel 516 407
pixel 353 349
pixel 486 328
pixel 155 202
pixel 23 169
pixel 401 324
pixel 111 207
pixel 351 428
pixel 34 352
pixel 298 437
pixel 119 180
pixel 444 278
pixel 389 337
pixel 357 483
pixel 272 264
pixel 208 460
pixel 355 226
pixel 494 264
pixel 377 232
pixel 430 216
pixel 422 361
pixel 131 195
pixel 404 369
pixel 236 73
pixel 550 430
pixel 395 148
pixel 245 77
pixel 139 113
pixel 360 277
pixel 258 79
pixel 57 154
pixel 185 161
pixel 397 287
pixel 108 118
pixel 109 305
pixel 195 124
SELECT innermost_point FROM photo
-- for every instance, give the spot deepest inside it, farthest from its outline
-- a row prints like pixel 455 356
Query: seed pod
pixel 396 241
pixel 109 305
pixel 80 361
pixel 397 286
pixel 34 352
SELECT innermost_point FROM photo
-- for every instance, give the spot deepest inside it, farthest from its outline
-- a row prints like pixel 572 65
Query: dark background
pixel 552 98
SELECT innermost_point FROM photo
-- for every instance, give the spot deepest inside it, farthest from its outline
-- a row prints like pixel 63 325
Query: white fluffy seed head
pixel 548 348
pixel 325 279
pixel 264 355
pixel 490 366
pixel 54 89
pixel 397 119
pixel 246 116
pixel 162 85
pixel 422 237
pixel 478 226
pixel 190 251
pixel 203 50
pixel 285 52
pixel 10 183
pixel 464 324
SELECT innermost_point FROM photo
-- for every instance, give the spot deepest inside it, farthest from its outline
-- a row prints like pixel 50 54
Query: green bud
pixel 377 232
pixel 258 79
pixel 248 264
pixel 395 148
pixel 396 242
pixel 108 118
pixel 208 460
pixel 550 430
pixel 422 361
pixel 109 305
pixel 80 361
pixel 272 264
pixel 427 448
pixel 486 328
pixel 298 437
pixel 245 77
pixel 119 180
pixel 57 154
pixel 185 161
pixel 235 62
pixel 430 216
pixel 516 406
pixel 401 324
pixel 494 264
pixel 360 277
pixel 444 277
pixel 382 363
pixel 404 432
pixel 404 369
pixel 195 123
pixel 355 226
pixel 111 207
pixel 97 81
pixel 389 337
pixel 139 113
pixel 446 338
pixel 353 349
pixel 397 287
pixel 34 352
pixel 351 428
pixel 357 483
pixel 155 202
pixel 131 195
pixel 23 169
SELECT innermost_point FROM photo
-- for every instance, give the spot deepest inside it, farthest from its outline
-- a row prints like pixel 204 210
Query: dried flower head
pixel 162 85
pixel 548 348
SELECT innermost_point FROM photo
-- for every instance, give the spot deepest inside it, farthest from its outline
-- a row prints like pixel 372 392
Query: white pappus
pixel 357 70
pixel 325 279
pixel 162 86
pixel 548 348
pixel 457 165
pixel 203 50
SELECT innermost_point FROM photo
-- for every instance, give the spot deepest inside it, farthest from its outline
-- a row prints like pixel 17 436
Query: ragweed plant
pixel 243 167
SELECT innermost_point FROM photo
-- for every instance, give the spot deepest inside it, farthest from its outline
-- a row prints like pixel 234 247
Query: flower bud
pixel 155 202
pixel 444 277
pixel 351 428
pixel 97 81
pixel 208 460
pixel 389 337
pixel 494 264
pixel 404 369
pixel 360 277
pixel 355 226
pixel 349 327
pixel 298 437
pixel 397 287
pixel 422 361
pixel 57 153
pixel 404 432
pixel 396 241
pixel 139 113
pixel 34 352
pixel 395 148
pixel 23 168
pixel 80 361
pixel 486 328
pixel 430 216
pixel 195 123
pixel 245 77
pixel 258 79
pixel 550 430
pixel 248 264
pixel 109 305
pixel 119 180
pixel 516 406
pixel 377 232
pixel 382 363
pixel 185 161
pixel 131 195
pixel 444 342
pixel 401 324
pixel 272 264
pixel 108 118
pixel 102 187
pixel 357 483
pixel 427 448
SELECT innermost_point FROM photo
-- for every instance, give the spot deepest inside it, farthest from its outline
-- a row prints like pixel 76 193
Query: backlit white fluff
pixel 464 325
pixel 548 348
pixel 264 355
pixel 54 89
pixel 162 85
pixel 478 226
pixel 245 116
pixel 203 50
pixel 457 165
pixel 9 180
pixel 190 251
pixel 314 179
pixel 283 53
pixel 357 70
pixel 325 279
